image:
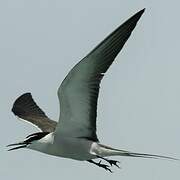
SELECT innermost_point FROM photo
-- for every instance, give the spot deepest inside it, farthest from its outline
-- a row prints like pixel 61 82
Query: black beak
pixel 19 145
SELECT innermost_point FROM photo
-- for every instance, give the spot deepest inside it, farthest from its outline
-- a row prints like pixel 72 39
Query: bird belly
pixel 74 148
pixel 67 147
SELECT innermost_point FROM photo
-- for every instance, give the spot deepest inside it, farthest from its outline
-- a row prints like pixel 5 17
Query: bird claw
pixel 113 162
pixel 106 167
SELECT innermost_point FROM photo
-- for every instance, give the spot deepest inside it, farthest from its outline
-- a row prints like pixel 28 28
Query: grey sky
pixel 139 101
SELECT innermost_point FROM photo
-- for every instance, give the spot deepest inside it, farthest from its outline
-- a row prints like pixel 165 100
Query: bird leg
pixel 106 167
pixel 111 162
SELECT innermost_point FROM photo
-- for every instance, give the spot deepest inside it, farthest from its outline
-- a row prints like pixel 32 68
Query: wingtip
pixel 20 103
pixel 136 16
pixel 27 94
pixel 141 11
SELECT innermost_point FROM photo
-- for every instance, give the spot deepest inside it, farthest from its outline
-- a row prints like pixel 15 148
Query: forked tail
pixel 154 156
pixel 108 151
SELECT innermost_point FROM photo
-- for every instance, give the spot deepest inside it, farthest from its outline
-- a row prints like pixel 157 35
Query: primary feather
pixel 25 108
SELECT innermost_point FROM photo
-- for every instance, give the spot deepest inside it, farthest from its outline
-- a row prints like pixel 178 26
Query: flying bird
pixel 74 136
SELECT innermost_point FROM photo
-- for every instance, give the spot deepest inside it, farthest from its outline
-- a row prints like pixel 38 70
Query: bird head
pixel 28 140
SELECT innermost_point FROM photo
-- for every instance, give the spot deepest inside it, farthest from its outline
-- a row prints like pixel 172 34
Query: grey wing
pixel 25 108
pixel 79 91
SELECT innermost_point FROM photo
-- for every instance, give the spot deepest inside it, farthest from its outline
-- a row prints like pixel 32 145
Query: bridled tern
pixel 74 136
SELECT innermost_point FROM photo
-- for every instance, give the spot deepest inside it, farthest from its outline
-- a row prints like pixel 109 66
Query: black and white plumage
pixel 74 136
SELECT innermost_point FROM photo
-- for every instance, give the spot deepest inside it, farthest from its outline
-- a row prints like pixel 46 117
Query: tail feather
pixel 109 151
pixel 154 156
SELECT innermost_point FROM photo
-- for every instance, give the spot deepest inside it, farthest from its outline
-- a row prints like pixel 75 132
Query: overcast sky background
pixel 139 103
